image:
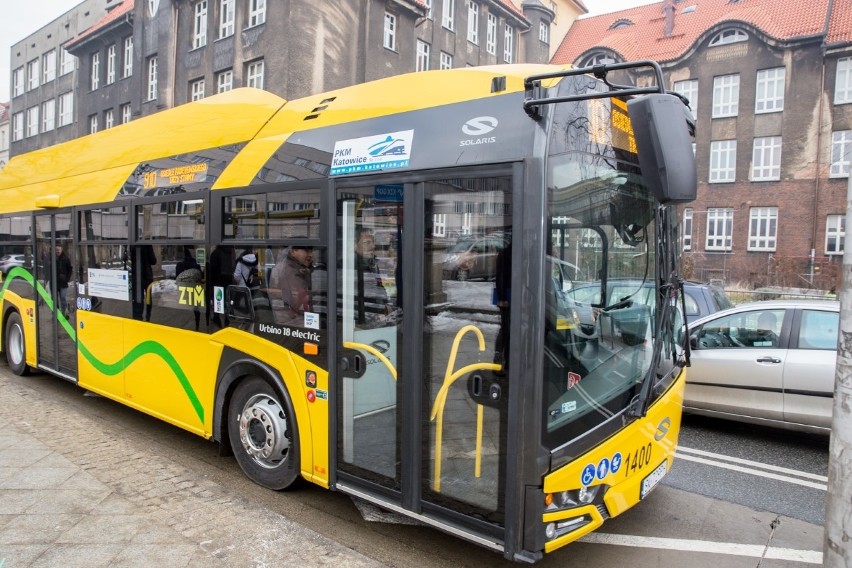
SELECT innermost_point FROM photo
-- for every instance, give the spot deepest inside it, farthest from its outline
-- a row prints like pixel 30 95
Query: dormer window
pixel 728 36
pixel 596 58
pixel 622 23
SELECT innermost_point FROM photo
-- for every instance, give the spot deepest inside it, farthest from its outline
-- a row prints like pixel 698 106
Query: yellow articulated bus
pixel 401 290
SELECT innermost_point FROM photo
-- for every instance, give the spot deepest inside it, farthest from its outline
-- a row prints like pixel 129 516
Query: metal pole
pixel 838 500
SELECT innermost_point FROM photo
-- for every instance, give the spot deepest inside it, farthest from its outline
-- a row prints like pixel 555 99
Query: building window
pixel 508 43
pixel 726 94
pixel 199 25
pixel 125 113
pixel 48 64
pixel 428 8
pixel 32 121
pixel 93 124
pixel 688 89
pixel 18 82
pixel 257 12
pixel 769 96
pixel 66 62
pixel 224 81
pixel 841 151
pixel 544 32
pixel 448 15
pixel 720 227
pixel 422 63
pixel 110 78
pixel 226 18
pixel 835 234
pixel 491 35
pixel 723 161
pixel 843 81
pixel 196 90
pixel 17 126
pixel 446 61
pixel 687 228
pixel 473 22
pixel 32 74
pixel 109 119
pixel 128 57
pixel 254 74
pixel 766 159
pixel 389 41
pixel 439 225
pixel 152 7
pixel 728 36
pixel 96 71
pixel 762 228
pixel 152 79
pixel 66 108
pixel 48 115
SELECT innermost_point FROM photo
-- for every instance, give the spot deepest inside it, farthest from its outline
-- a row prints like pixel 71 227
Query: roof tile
pixel 779 19
pixel 113 15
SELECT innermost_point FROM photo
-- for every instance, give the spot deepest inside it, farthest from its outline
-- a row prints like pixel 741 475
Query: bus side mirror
pixel 664 127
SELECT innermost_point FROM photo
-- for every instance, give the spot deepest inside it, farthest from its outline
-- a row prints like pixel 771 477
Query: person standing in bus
pixel 372 298
pixel 295 281
pixel 246 272
pixel 63 277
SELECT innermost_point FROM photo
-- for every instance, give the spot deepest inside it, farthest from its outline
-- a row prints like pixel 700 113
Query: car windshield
pixel 600 326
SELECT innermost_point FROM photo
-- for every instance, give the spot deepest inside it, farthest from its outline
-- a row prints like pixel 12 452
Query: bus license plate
pixel 652 479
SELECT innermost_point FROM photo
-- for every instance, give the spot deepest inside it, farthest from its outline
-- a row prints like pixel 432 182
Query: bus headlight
pixel 550 530
pixel 571 498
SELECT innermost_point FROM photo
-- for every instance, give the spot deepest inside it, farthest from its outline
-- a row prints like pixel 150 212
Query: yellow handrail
pixel 441 400
pixel 372 351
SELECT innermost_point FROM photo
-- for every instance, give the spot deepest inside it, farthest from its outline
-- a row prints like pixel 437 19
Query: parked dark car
pixel 770 362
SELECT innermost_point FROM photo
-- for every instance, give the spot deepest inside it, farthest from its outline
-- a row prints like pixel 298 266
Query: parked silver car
pixel 10 261
pixel 769 363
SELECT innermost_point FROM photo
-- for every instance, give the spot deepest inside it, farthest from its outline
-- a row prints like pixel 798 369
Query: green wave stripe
pixel 109 369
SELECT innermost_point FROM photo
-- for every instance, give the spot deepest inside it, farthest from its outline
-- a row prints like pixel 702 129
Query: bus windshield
pixel 601 297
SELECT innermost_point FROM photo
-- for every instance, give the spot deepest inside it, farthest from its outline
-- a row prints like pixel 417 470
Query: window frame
pixel 256 13
pixel 199 24
pixel 48 115
pixel 446 61
pixel 841 154
pixel 253 77
pixel 508 43
pixel 151 83
pixel 769 80
pixel 127 64
pixel 423 50
pixel 763 229
pixel 719 218
pixel 448 18
pixel 473 22
pixel 33 70
pixel 229 73
pixel 389 32
pixel 491 34
pixel 726 95
pixel 835 232
pixel 32 121
pixel 843 81
pixel 689 89
pixel 722 150
pixel 766 148
pixel 17 126
pixel 66 115
pixel 18 81
pixel 687 228
pixel 227 18
pixel 48 65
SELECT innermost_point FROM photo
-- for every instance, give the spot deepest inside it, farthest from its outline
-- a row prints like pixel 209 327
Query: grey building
pixel 44 78
pixel 771 87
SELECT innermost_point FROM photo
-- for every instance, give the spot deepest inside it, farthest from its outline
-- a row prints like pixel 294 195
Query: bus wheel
pixel 16 354
pixel 263 434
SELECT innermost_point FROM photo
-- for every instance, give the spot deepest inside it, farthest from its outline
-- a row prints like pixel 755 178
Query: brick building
pixel 771 88
pixel 141 56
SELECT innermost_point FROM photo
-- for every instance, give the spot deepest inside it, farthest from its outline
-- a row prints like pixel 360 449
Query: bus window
pixel 467 295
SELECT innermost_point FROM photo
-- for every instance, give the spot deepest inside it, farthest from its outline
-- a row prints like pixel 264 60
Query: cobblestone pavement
pixel 74 494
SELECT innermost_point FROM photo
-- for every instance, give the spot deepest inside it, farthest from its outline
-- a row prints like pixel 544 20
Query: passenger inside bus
pixel 292 276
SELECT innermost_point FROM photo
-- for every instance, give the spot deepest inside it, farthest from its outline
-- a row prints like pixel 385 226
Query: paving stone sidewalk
pixel 74 494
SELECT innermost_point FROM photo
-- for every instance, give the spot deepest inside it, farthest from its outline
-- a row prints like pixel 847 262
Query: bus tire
pixel 263 434
pixel 15 347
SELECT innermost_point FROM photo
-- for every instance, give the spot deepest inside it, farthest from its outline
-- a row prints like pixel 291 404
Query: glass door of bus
pixel 56 293
pixel 423 336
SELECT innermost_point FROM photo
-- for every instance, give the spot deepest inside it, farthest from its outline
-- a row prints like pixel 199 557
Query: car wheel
pixel 16 353
pixel 263 434
pixel 462 274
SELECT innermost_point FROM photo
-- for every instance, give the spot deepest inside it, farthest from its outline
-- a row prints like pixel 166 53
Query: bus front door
pixel 55 285
pixel 422 369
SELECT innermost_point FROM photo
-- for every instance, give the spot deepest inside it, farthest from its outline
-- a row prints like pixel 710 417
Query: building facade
pixel 770 86
pixel 138 57
pixel 4 134
pixel 44 78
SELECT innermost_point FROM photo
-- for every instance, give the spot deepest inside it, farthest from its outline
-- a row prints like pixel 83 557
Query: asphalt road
pixel 702 515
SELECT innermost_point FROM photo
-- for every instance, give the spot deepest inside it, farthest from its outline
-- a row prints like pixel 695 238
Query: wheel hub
pixel 263 431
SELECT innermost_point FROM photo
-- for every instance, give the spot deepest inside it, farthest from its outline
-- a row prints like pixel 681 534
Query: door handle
pixel 769 360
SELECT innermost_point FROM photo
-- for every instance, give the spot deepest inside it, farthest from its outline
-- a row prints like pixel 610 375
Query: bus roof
pixel 93 168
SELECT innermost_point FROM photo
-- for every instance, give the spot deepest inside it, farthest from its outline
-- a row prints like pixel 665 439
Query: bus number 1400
pixel 640 458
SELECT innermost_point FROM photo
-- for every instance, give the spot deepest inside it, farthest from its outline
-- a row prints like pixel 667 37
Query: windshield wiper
pixel 625 302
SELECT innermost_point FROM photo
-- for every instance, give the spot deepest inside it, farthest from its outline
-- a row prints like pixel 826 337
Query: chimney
pixel 669 10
